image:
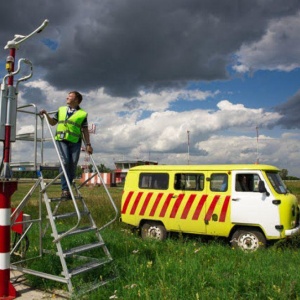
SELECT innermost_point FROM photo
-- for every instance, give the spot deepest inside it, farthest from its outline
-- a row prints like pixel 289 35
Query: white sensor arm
pixel 15 43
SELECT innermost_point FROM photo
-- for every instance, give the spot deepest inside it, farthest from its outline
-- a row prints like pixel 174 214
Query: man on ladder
pixel 72 123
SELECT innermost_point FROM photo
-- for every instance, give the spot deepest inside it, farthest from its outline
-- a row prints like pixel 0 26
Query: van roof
pixel 216 167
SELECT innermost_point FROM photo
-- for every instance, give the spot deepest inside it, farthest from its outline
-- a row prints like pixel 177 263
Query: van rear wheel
pixel 248 239
pixel 153 230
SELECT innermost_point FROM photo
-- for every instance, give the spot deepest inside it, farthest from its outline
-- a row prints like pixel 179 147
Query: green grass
pixel 190 269
pixel 182 267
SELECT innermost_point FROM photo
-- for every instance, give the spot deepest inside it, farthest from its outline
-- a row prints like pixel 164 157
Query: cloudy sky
pixel 226 71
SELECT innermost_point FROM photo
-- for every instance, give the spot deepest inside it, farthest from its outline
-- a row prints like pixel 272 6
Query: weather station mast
pixel 8 118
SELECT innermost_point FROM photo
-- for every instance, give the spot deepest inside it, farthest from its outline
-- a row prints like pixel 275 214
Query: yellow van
pixel 249 204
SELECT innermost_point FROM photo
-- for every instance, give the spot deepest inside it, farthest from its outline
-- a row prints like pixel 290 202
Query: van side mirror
pixel 262 188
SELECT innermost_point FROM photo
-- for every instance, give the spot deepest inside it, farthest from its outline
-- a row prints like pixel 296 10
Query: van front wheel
pixel 248 239
pixel 153 230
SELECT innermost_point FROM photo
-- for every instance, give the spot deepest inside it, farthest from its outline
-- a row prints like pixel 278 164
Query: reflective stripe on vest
pixel 69 129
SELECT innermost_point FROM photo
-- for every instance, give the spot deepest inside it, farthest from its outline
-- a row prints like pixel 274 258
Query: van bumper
pixel 293 231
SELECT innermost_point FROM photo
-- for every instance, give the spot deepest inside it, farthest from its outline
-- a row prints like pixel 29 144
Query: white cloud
pixel 225 134
pixel 246 149
pixel 241 68
pixel 161 101
pixel 278 49
pixel 26 129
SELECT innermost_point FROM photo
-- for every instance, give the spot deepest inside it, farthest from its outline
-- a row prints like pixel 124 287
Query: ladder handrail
pixel 69 186
pixel 108 194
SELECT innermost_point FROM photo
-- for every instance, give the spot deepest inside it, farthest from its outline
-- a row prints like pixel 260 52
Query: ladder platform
pixel 30 136
pixel 32 166
pixel 89 266
pixel 82 248
pixel 23 166
pixel 49 166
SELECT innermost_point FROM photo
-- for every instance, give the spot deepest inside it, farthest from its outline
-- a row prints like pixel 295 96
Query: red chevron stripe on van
pixel 152 203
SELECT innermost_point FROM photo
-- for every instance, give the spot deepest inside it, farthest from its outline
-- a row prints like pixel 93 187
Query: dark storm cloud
pixel 22 17
pixel 132 104
pixel 290 111
pixel 127 45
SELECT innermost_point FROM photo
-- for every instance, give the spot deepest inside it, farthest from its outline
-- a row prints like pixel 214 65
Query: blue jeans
pixel 69 153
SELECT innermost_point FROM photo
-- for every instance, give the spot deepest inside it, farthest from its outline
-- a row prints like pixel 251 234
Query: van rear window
pixel 189 182
pixel 219 182
pixel 159 181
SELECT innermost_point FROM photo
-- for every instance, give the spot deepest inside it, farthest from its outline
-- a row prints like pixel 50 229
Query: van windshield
pixel 277 182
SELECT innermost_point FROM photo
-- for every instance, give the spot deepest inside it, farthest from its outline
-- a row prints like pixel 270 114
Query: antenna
pixel 257 158
pixel 188 145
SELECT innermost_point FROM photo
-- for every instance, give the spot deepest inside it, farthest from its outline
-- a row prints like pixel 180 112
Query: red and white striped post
pixel 7 290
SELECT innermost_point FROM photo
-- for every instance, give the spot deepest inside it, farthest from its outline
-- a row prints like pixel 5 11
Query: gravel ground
pixel 25 292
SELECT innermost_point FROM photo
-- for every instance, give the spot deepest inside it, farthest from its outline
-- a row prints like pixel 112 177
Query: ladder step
pixel 79 230
pixel 68 215
pixel 89 266
pixel 91 287
pixel 83 248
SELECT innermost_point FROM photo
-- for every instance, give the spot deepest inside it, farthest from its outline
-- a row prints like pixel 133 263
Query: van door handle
pixel 235 199
pixel 174 196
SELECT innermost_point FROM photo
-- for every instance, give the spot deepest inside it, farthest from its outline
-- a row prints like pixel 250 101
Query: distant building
pixel 116 176
pixel 122 167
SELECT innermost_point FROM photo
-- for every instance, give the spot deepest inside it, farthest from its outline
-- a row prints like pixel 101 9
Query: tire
pixel 153 230
pixel 248 239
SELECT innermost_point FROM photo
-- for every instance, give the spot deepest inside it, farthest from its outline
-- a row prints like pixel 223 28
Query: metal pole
pixel 6 150
pixel 7 290
pixel 257 158
pixel 188 144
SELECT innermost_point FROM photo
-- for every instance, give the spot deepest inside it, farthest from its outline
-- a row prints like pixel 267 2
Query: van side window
pixel 219 182
pixel 189 182
pixel 154 181
pixel 246 182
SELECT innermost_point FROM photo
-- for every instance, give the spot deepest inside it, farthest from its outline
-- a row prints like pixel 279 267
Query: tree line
pixel 284 175
pixel 49 174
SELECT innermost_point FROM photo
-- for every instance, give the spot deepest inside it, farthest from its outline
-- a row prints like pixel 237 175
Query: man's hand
pixel 51 121
pixel 89 149
pixel 43 112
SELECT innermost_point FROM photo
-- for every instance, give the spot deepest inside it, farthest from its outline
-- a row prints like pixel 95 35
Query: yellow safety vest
pixel 69 129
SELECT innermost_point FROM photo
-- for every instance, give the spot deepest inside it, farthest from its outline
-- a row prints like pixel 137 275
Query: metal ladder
pixel 77 241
